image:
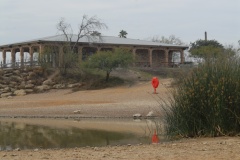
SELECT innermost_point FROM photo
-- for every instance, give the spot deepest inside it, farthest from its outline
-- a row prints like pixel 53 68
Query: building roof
pixel 96 40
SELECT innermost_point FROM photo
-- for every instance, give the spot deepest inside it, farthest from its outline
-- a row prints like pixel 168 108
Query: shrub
pixel 207 101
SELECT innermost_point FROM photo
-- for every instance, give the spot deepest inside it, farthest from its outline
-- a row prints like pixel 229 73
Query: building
pixel 147 53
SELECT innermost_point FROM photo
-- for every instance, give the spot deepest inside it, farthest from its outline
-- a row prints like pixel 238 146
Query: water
pixel 29 136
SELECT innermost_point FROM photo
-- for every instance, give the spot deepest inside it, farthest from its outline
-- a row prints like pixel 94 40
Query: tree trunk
pixel 107 76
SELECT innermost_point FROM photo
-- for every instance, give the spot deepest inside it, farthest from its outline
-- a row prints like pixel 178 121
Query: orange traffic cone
pixel 155 138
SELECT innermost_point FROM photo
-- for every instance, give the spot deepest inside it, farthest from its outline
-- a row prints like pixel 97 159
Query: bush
pixel 207 101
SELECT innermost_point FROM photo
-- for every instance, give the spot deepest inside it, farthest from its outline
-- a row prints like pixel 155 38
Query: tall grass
pixel 207 101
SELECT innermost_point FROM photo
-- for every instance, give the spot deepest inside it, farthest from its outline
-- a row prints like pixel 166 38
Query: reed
pixel 207 101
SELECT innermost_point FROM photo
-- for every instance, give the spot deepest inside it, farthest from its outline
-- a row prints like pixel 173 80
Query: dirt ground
pixel 115 102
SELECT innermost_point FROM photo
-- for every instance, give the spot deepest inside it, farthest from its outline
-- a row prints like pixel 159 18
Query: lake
pixel 70 133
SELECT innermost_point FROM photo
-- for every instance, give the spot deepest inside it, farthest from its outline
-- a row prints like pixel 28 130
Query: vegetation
pixel 206 48
pixel 107 61
pixel 123 34
pixel 207 101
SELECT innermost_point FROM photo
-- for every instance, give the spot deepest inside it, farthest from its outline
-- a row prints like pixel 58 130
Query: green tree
pixel 206 48
pixel 109 60
pixel 123 34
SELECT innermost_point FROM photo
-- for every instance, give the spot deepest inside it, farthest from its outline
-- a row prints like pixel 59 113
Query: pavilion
pixel 146 53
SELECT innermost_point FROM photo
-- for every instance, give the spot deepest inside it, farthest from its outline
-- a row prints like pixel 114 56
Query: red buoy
pixel 155 83
pixel 155 138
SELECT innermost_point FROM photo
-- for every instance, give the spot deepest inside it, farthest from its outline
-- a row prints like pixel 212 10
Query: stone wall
pixel 19 82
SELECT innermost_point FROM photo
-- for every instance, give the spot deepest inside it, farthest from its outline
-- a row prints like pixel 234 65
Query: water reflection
pixel 25 136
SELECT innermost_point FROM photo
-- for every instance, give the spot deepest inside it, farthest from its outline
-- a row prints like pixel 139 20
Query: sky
pixel 22 20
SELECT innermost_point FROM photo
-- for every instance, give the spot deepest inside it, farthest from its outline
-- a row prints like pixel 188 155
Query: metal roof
pixel 103 40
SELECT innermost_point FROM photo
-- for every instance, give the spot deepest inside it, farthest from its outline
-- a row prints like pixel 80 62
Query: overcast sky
pixel 23 20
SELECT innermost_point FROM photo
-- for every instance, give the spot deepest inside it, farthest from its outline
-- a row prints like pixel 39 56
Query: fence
pixel 19 64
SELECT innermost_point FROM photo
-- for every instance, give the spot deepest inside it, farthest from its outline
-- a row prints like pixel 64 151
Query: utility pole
pixel 205 36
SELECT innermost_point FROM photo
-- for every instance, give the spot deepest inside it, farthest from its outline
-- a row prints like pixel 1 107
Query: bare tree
pixel 172 39
pixel 89 28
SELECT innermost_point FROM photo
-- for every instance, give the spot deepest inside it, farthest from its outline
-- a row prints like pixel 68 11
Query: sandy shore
pixel 112 102
pixel 197 149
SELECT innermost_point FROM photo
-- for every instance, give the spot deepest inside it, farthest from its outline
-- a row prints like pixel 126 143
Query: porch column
pixel 166 57
pixel 4 57
pixel 22 56
pixel 41 50
pixel 182 56
pixel 134 56
pixel 13 57
pixel 31 55
pixel 60 56
pixel 150 57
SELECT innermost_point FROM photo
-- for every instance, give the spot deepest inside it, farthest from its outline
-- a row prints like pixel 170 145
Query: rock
pixel 8 74
pixel 21 85
pixel 6 94
pixel 77 112
pixel 16 78
pixel 96 148
pixel 2 86
pixel 17 149
pixel 42 88
pixel 74 85
pixel 17 72
pixel 32 75
pixel 31 81
pixel 59 86
pixel 1 72
pixel 138 115
pixel 29 90
pixel 48 82
pixel 150 114
pixel 6 89
pixel 13 83
pixel 35 150
pixel 29 86
pixel 20 92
